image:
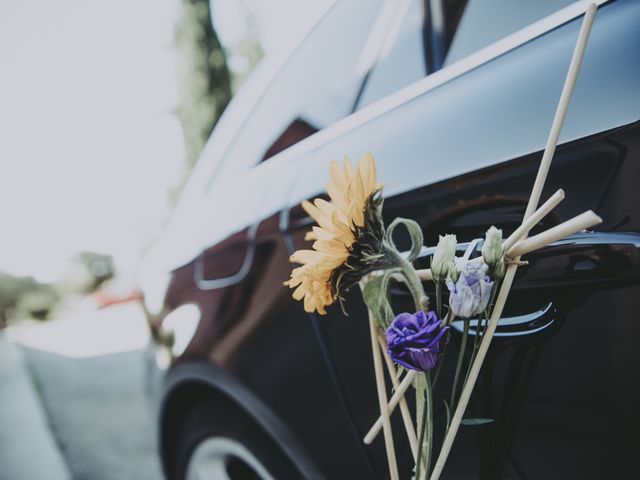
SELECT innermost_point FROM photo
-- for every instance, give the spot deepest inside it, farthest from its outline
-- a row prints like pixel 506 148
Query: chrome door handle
pixel 223 282
pixel 588 259
pixel 584 262
pixel 518 325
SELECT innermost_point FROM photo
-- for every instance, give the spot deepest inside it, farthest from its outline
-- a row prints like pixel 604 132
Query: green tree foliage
pixel 24 296
pixel 204 79
pixel 86 272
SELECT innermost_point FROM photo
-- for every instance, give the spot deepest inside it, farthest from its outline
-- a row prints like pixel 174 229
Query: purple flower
pixel 413 341
pixel 470 294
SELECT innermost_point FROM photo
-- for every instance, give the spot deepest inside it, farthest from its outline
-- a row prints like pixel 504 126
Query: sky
pixel 89 143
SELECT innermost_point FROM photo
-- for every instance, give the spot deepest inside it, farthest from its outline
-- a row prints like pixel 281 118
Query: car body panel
pixel 456 155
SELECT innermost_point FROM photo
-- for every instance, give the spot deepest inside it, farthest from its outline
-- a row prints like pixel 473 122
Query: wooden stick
pixel 404 408
pixel 398 394
pixel 382 401
pixel 543 170
pixel 539 214
pixel 534 219
pixel 581 222
pixel 561 111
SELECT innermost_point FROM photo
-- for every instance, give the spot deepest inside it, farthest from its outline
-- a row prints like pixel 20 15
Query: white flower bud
pixel 492 251
pixel 443 258
pixel 499 270
pixel 492 247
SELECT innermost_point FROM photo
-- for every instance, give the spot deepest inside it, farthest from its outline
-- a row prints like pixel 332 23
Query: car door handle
pixel 517 325
pixel 223 282
pixel 589 260
pixel 586 260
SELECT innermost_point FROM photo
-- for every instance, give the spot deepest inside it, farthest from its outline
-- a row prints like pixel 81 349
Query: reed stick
pixel 528 224
pixel 536 191
pixel 398 395
pixel 382 400
pixel 534 219
pixel 581 222
pixel 404 408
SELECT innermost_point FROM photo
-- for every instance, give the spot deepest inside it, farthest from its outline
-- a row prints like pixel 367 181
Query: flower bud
pixel 469 296
pixel 499 270
pixel 493 253
pixel 443 258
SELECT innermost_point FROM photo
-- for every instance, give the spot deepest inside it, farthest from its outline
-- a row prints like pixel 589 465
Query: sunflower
pixel 347 239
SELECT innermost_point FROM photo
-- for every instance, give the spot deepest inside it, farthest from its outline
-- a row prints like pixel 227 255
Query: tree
pixel 204 78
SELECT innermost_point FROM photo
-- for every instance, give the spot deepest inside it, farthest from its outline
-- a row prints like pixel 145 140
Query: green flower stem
pixel 429 414
pixel 420 299
pixel 423 428
pixel 483 322
pixel 456 378
pixel 439 300
pixel 492 300
pixel 425 440
pixel 481 327
pixel 476 345
pixel 436 374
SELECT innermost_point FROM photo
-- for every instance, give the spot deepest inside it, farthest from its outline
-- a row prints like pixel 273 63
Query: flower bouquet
pixel 352 246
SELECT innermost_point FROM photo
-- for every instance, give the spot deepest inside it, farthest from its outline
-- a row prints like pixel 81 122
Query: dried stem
pixel 534 198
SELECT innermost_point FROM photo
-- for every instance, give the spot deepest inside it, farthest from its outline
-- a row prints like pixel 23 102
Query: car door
pixel 224 246
pixel 457 152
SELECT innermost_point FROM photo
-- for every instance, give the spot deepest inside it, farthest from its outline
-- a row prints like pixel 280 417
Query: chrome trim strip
pixel 435 80
pixel 529 323
pixel 224 282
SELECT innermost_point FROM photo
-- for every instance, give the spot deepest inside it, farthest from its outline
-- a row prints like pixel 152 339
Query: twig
pixel 534 219
pixel 382 400
pixel 404 408
pixel 543 170
pixel 528 224
pixel 398 395
pixel 585 220
pixel 463 346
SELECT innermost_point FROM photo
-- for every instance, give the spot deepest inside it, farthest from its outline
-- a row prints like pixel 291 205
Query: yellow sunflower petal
pixel 298 293
pixel 348 168
pixel 305 256
pixel 348 189
pixel 311 209
pixel 337 175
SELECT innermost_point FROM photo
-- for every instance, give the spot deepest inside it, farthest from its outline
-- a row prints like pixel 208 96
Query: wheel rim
pixel 221 458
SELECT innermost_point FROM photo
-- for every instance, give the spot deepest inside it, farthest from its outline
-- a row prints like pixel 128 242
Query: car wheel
pixel 219 458
pixel 221 443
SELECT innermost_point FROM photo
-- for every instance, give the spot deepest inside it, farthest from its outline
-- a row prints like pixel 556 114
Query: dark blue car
pixel 455 99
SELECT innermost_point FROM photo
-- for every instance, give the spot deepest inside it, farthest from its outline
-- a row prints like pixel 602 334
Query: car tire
pixel 224 443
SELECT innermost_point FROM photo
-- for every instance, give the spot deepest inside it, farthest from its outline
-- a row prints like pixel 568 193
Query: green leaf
pixel 414 232
pixel 376 295
pixel 476 421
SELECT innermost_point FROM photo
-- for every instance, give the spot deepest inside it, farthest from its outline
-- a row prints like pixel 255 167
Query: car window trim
pixel 433 81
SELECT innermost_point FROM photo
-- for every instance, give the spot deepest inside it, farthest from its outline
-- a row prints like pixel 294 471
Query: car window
pixel 431 34
pixel 401 59
pixel 486 21
pixel 415 46
pixel 294 95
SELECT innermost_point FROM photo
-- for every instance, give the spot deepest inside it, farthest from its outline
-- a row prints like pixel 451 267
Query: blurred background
pixel 104 109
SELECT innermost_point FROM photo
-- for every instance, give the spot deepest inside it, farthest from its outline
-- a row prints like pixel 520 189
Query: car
pixel 455 99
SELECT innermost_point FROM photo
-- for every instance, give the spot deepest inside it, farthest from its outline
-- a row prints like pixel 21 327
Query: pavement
pixel 73 403
pixel 27 448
